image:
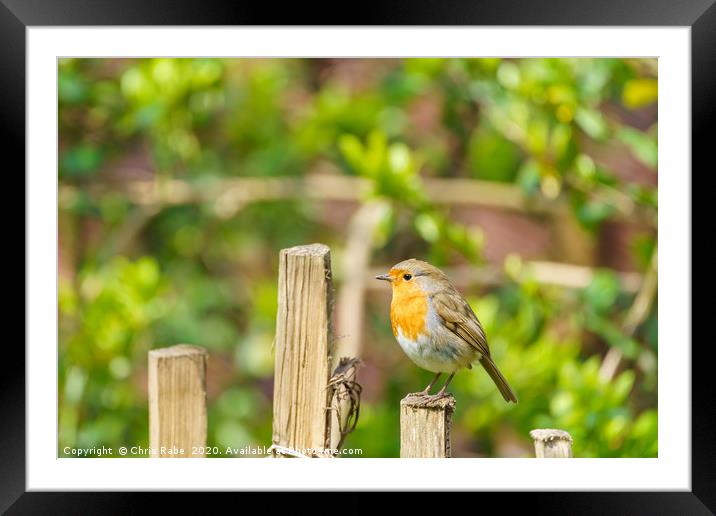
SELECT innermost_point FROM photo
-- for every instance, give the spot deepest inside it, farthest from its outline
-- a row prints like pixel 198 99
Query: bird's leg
pixel 441 392
pixel 426 390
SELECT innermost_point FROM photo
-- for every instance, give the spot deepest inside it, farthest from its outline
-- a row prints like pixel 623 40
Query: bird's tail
pixel 499 380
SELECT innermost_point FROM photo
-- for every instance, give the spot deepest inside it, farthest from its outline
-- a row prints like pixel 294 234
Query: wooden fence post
pixel 552 444
pixel 301 419
pixel 177 401
pixel 425 426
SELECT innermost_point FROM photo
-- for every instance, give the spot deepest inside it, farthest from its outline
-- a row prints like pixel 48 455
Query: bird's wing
pixel 459 318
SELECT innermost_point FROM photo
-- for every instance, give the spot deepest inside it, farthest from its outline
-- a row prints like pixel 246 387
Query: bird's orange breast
pixel 408 311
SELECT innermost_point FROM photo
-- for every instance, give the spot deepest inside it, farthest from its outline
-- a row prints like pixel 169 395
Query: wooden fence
pixel 316 397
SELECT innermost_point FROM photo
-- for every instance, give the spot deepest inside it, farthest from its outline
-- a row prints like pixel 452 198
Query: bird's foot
pixel 439 395
pixel 430 399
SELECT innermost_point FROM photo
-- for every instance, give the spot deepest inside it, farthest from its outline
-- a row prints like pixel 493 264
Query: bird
pixel 436 327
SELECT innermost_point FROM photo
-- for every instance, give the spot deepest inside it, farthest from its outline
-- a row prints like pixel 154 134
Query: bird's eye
pixel 407 277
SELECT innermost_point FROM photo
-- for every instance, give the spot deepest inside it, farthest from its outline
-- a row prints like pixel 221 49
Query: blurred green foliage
pixel 134 277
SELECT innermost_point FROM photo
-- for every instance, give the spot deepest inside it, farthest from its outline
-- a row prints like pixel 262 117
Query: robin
pixel 436 327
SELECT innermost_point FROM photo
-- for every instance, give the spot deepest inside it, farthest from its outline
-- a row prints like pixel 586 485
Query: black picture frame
pixel 700 15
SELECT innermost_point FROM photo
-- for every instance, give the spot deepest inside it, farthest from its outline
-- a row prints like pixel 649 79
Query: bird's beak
pixel 384 277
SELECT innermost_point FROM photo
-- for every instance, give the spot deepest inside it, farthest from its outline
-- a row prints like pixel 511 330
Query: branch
pixel 635 317
pixel 228 196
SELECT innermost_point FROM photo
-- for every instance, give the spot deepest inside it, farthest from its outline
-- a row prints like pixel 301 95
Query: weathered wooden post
pixel 301 419
pixel 425 426
pixel 552 444
pixel 177 401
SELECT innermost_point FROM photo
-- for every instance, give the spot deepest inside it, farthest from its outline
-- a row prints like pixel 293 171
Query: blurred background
pixel 531 182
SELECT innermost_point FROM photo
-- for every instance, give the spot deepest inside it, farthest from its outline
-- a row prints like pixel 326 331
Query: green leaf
pixel 591 213
pixel 428 226
pixel 603 290
pixel 592 122
pixel 640 92
pixel 71 88
pixel 352 150
pixel 82 160
pixel 643 146
pixel 529 177
pixel 623 384
pixel 491 156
